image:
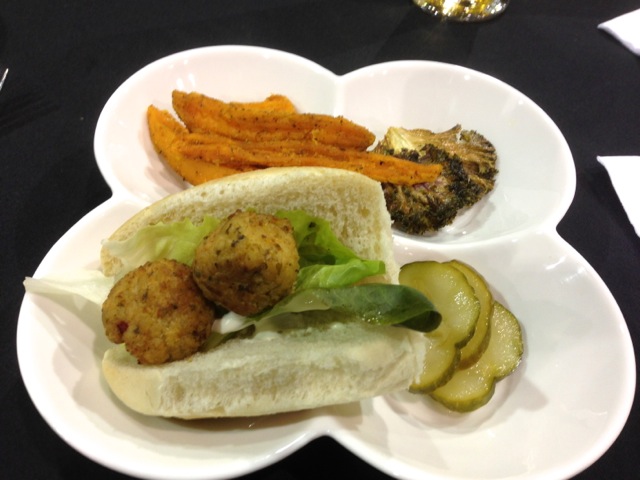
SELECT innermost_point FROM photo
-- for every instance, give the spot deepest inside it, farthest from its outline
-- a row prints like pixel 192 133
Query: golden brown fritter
pixel 159 313
pixel 248 263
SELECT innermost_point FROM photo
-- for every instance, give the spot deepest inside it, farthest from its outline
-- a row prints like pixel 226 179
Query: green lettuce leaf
pixel 325 262
pixel 373 303
pixel 89 284
pixel 176 241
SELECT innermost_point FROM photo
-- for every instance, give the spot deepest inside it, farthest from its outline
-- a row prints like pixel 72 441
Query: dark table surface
pixel 67 57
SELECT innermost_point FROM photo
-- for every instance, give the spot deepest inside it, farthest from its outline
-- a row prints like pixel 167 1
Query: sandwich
pixel 282 295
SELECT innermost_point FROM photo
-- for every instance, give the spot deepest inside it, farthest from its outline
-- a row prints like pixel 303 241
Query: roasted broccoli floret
pixel 468 173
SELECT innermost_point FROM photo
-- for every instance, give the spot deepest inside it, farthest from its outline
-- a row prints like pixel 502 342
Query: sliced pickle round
pixel 455 299
pixel 474 386
pixel 472 351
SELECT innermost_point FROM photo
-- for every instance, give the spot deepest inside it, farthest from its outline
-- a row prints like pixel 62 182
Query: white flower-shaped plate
pixel 555 416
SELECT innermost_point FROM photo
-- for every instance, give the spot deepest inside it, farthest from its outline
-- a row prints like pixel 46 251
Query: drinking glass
pixel 463 10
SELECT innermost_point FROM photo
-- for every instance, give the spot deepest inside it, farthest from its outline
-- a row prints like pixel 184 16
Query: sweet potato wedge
pixel 203 114
pixel 166 135
pixel 382 168
pixel 273 103
pixel 223 138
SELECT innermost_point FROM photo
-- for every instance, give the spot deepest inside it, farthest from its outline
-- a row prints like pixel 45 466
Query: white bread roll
pixel 272 372
pixel 295 369
pixel 353 204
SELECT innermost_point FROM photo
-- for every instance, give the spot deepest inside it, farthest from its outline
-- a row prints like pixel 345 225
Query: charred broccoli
pixel 469 169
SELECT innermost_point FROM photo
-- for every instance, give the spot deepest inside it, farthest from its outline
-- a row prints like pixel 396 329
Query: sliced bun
pixel 276 370
pixel 271 372
pixel 353 204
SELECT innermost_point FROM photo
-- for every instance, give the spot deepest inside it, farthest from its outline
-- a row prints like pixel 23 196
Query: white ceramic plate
pixel 554 417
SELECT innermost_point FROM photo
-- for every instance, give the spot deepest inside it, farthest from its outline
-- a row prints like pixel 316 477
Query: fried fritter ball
pixel 248 263
pixel 159 313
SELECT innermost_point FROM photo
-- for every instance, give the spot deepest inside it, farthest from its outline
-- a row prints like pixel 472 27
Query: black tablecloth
pixel 67 57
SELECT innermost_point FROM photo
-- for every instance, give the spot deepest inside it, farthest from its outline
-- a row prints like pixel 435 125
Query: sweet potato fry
pixel 224 151
pixel 219 139
pixel 291 145
pixel 202 114
pixel 164 129
pixel 273 103
pixel 196 171
pixel 382 168
pixel 166 134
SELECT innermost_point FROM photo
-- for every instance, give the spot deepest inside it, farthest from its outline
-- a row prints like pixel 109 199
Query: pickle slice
pixel 473 387
pixel 455 299
pixel 471 352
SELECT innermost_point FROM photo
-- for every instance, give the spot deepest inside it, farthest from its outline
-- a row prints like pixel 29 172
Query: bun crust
pixel 275 371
